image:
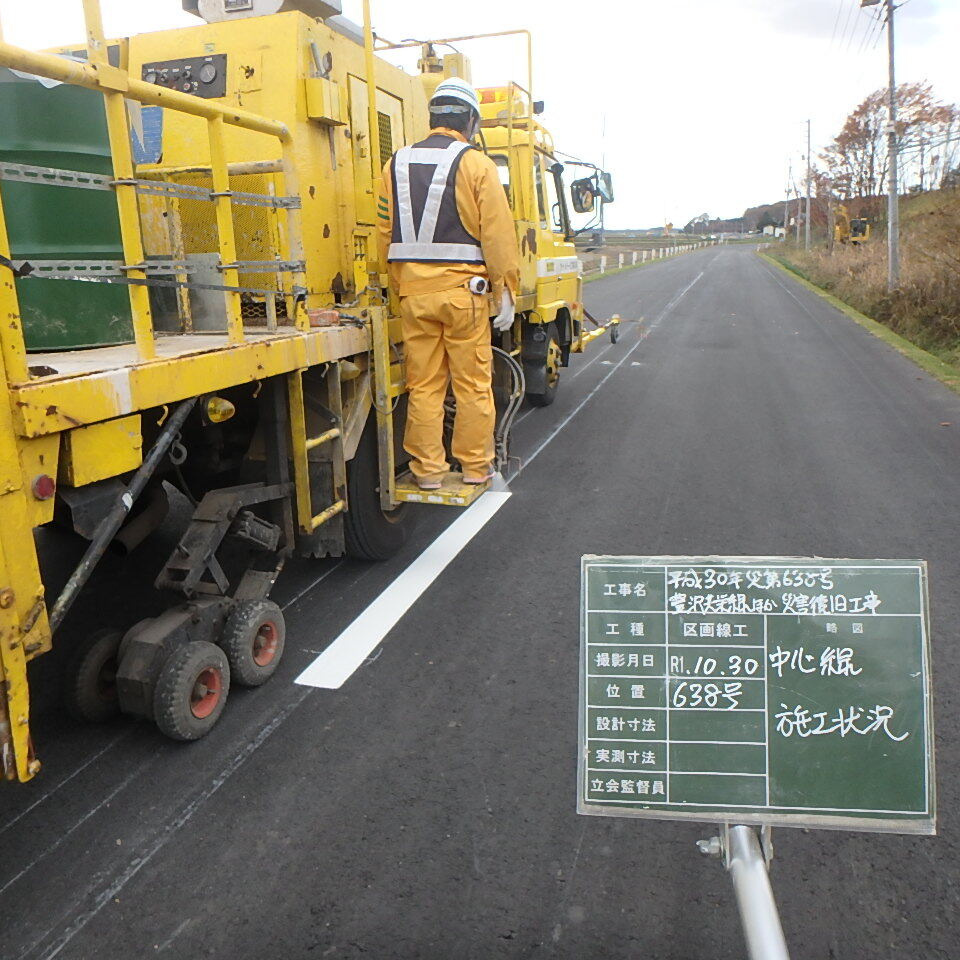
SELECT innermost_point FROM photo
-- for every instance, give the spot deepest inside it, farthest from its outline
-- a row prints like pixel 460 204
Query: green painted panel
pixel 757 690
pixel 65 128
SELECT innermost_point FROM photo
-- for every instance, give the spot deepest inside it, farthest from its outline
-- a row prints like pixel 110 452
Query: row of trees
pixel 855 164
pixel 929 135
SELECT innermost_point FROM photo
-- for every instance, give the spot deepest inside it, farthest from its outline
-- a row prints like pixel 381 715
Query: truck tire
pixel 253 639
pixel 191 690
pixel 552 362
pixel 91 686
pixel 370 533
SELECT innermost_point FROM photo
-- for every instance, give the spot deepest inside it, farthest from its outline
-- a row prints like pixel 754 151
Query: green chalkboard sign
pixel 757 690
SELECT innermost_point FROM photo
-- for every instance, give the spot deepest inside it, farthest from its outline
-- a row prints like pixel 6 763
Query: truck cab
pixel 550 305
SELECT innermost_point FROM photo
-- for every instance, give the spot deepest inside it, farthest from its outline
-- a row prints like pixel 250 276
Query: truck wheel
pixel 615 333
pixel 553 362
pixel 191 690
pixel 91 687
pixel 253 639
pixel 370 532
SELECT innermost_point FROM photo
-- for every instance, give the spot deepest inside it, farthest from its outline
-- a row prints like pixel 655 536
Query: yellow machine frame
pixel 152 373
pixel 93 410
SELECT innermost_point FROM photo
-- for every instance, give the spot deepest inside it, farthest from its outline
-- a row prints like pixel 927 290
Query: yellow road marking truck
pixel 190 295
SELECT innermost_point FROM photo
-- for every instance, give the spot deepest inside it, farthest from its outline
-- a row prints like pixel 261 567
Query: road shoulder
pixel 947 374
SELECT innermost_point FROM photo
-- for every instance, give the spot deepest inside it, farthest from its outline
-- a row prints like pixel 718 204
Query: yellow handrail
pixel 124 172
pixel 385 45
pixel 228 242
pixel 117 85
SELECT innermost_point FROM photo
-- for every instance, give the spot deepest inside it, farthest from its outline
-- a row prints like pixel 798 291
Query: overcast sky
pixel 703 102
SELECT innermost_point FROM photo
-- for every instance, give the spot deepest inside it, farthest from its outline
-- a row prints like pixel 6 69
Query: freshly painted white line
pixel 339 661
pixel 343 657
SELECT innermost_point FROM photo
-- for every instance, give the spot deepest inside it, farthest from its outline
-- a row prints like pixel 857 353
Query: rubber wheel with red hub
pixel 191 690
pixel 90 691
pixel 252 639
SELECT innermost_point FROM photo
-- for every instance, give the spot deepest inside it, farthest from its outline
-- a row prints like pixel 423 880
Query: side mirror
pixel 582 196
pixel 604 187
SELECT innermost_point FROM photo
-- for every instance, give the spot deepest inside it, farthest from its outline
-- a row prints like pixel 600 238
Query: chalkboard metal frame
pixel 879 820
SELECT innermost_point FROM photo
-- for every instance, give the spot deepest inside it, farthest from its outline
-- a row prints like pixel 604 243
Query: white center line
pixel 344 656
pixel 339 661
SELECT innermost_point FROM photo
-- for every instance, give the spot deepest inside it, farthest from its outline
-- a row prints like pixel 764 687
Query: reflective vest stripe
pixel 447 252
pixel 431 208
pixel 422 244
pixel 428 154
pixel 403 208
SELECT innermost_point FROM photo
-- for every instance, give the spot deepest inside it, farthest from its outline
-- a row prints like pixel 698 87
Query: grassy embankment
pixel 926 308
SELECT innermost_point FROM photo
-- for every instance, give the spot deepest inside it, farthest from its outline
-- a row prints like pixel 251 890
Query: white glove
pixel 504 319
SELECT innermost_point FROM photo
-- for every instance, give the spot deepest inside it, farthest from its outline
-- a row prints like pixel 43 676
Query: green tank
pixel 63 127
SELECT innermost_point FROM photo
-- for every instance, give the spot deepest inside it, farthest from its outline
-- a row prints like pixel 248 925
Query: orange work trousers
pixel 446 339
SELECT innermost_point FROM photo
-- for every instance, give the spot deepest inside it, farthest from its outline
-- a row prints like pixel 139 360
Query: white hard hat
pixel 457 89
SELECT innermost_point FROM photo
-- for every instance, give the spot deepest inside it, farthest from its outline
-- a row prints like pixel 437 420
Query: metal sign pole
pixel 751 883
pixel 683 663
pixel 746 862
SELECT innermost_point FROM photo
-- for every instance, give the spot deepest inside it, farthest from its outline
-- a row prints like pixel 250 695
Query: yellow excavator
pixel 850 230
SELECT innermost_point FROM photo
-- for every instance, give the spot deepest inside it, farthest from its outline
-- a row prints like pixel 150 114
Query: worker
pixel 447 233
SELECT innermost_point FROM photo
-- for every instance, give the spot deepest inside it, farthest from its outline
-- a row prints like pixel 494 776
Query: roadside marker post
pixel 757 692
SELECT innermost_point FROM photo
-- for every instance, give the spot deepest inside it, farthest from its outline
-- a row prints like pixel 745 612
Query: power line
pixel 874 32
pixel 836 22
pixel 846 23
pixel 854 29
pixel 853 33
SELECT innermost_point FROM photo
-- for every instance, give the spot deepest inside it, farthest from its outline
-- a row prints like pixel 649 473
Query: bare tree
pixel 929 132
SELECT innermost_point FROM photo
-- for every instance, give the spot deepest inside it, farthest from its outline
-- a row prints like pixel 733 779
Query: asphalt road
pixel 426 809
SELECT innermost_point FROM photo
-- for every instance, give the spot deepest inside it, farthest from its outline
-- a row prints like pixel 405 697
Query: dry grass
pixel 926 308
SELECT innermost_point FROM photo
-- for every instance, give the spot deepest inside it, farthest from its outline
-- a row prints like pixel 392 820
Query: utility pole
pixel 806 219
pixel 893 200
pixel 786 203
pixel 831 220
pixel 893 162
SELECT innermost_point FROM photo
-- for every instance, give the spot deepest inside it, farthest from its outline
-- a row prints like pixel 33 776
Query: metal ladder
pixel 301 445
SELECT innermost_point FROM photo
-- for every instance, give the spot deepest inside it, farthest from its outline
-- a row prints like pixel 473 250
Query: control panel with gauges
pixel 202 76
